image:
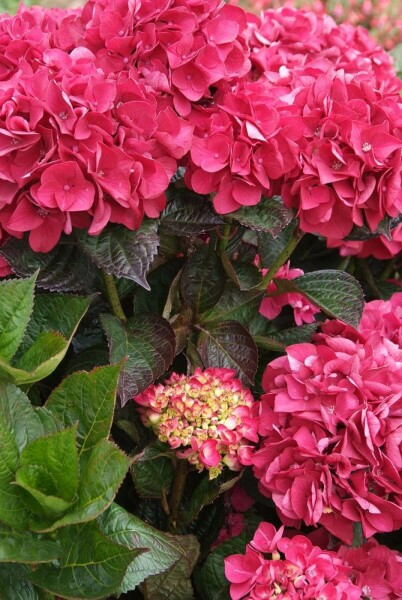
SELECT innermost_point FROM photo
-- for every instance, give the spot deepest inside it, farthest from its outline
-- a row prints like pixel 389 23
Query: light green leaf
pixel 88 398
pixel 43 346
pixel 19 425
pixel 162 552
pixel 148 343
pixel 175 583
pixel 103 469
pixel 16 303
pixel 48 472
pixel 55 312
pixel 25 547
pixel 93 567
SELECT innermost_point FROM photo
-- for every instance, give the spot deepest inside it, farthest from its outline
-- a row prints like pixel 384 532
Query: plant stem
pixel 225 237
pixel 281 259
pixel 113 296
pixel 179 483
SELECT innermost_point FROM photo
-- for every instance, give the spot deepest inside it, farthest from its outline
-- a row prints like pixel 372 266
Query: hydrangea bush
pixel 200 305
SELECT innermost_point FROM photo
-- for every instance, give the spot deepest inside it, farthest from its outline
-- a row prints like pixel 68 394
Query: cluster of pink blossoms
pixel 331 427
pixel 316 121
pixel 208 417
pixel 288 569
pixel 297 567
pixel 89 121
pixel 100 106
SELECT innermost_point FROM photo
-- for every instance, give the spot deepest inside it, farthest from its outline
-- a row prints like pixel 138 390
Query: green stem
pixel 179 483
pixel 281 259
pixel 224 239
pixel 388 270
pixel 113 296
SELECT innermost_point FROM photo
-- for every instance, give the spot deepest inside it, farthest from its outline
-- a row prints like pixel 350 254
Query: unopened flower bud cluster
pixel 209 417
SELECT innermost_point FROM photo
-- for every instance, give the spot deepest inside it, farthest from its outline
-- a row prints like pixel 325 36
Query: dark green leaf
pixel 162 552
pixel 48 472
pixel 25 547
pixel 337 293
pixel 269 215
pixel 205 493
pixel 89 399
pixel 66 268
pixel 160 280
pixel 103 469
pixel 269 247
pixel 210 580
pixel 148 342
pixel 92 566
pixel 122 252
pixel 188 214
pixel 228 344
pixel 16 303
pixel 234 305
pixel 175 583
pixel 14 583
pixel 277 341
pixel 244 274
pixel 153 471
pixel 202 281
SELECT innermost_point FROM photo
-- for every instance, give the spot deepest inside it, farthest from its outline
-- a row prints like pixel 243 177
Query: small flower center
pixel 63 115
pixel 66 188
pixel 366 147
pixel 336 165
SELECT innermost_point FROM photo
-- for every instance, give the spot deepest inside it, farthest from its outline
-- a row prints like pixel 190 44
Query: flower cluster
pixel 274 566
pixel 271 306
pixel 208 417
pixel 101 105
pixel 316 121
pixel 89 120
pixel 331 425
pixel 376 569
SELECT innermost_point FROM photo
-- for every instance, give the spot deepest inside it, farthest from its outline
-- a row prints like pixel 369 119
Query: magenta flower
pixel 63 186
pixel 289 569
pixel 207 417
pixel 331 426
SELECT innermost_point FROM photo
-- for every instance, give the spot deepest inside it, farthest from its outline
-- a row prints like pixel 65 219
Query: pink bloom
pixel 276 566
pixel 63 186
pixel 208 417
pixel 331 427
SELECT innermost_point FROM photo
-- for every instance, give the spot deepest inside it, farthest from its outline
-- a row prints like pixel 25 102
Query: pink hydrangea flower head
pixel 207 417
pixel 331 426
pixel 288 568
